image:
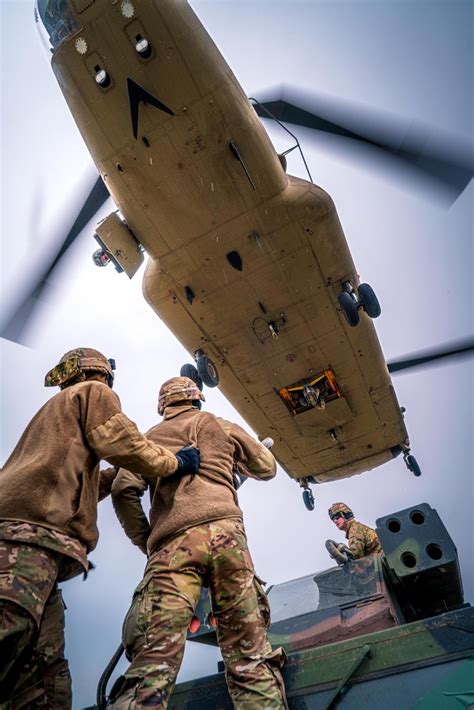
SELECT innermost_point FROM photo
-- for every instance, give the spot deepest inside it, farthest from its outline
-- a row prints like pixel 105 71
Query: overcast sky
pixel 414 59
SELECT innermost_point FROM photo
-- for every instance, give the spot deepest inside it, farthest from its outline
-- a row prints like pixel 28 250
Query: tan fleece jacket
pixel 180 502
pixel 52 477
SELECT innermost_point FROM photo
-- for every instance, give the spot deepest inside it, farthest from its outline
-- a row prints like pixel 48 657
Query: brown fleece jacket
pixel 52 477
pixel 179 502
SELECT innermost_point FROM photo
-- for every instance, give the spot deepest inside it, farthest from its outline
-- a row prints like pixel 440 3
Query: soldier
pixel 362 540
pixel 195 537
pixel 49 490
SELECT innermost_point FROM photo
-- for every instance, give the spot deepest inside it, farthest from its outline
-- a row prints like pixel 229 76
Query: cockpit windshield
pixel 56 22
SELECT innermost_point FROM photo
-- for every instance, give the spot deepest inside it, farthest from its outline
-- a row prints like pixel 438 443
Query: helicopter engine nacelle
pixel 117 245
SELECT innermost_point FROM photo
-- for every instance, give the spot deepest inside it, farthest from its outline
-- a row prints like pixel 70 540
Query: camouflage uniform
pixel 36 673
pixel 154 630
pixel 49 490
pixel 195 537
pixel 362 540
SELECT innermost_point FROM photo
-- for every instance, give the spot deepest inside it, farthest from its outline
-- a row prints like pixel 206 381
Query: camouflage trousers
pixel 154 631
pixel 33 672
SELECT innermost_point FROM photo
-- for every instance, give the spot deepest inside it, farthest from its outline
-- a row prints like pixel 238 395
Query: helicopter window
pixel 334 587
pixel 56 22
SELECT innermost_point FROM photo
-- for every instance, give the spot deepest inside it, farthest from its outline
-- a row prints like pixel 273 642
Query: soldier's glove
pixel 188 460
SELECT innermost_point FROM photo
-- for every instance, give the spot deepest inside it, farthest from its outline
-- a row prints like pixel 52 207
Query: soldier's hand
pixel 188 459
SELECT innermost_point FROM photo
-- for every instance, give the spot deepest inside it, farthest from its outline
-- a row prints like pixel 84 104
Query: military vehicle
pixel 389 628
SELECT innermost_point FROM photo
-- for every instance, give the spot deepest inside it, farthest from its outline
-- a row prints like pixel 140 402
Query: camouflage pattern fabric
pixel 155 627
pixel 17 631
pixel 178 389
pixel 73 363
pixel 27 576
pixel 34 671
pixel 339 508
pixel 66 370
pixel 74 560
pixel 362 540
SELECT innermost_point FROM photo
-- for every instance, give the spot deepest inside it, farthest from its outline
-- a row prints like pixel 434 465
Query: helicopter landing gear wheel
pixel 349 307
pixel 206 369
pixel 369 301
pixel 191 372
pixel 412 464
pixel 308 499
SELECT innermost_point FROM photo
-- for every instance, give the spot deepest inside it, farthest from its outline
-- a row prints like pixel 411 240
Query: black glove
pixel 188 460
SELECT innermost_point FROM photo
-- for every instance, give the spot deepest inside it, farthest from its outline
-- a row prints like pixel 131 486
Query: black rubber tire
pixel 207 370
pixel 349 308
pixel 412 465
pixel 191 372
pixel 308 499
pixel 369 300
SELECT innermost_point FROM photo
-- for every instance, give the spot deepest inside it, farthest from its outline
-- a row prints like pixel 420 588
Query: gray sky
pixel 413 59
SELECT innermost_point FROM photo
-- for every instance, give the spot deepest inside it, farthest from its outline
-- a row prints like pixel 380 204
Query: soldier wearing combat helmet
pixel 195 536
pixel 49 490
pixel 361 539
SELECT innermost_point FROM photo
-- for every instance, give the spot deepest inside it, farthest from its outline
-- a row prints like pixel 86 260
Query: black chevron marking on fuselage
pixel 137 94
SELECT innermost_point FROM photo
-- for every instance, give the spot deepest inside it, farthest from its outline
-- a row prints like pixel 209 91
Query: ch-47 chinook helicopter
pixel 248 266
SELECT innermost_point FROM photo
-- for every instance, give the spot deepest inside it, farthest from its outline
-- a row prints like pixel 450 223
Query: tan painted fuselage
pixel 190 202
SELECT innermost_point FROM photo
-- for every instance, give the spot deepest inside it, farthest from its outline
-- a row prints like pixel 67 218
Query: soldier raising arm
pixel 49 490
pixel 196 536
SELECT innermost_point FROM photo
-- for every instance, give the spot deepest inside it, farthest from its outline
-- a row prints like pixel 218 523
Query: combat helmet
pixel 74 366
pixel 340 508
pixel 179 389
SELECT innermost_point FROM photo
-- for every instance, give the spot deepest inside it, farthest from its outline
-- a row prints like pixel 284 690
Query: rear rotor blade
pixel 13 328
pixel 459 349
pixel 435 155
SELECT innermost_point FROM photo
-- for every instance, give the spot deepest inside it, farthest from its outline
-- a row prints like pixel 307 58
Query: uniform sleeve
pixel 106 478
pixel 256 460
pixel 115 438
pixel 357 541
pixel 127 490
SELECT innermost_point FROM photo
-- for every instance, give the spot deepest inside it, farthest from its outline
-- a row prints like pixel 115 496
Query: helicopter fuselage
pixel 246 262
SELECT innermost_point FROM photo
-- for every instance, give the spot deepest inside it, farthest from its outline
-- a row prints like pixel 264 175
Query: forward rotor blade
pixel 21 314
pixel 438 157
pixel 459 349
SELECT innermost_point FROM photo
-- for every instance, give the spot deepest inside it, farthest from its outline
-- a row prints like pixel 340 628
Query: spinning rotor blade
pixel 431 153
pixel 17 320
pixel 461 348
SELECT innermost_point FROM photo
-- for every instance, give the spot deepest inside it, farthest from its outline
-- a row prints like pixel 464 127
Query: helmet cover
pixel 340 508
pixel 178 389
pixel 76 362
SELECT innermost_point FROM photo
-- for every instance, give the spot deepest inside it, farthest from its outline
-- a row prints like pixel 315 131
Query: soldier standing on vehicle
pixel 49 490
pixel 361 539
pixel 195 537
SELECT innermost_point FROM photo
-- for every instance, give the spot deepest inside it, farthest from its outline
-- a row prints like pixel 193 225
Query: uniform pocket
pixel 137 620
pixel 262 600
